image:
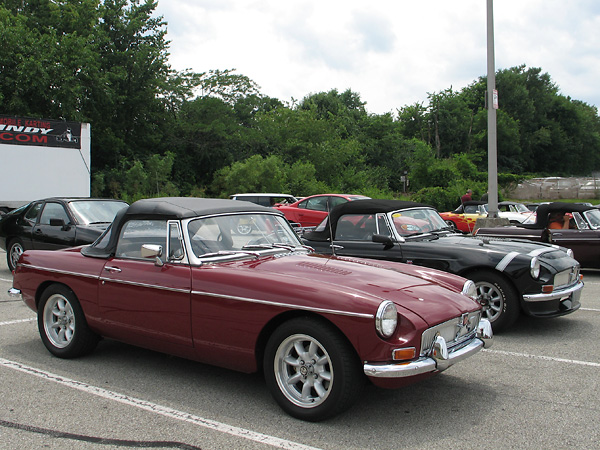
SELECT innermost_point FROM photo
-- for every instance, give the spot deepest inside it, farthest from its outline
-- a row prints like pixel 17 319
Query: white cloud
pixel 392 52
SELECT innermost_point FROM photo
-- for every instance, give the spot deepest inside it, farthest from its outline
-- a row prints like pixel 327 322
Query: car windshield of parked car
pixel 90 212
pixel 418 221
pixel 593 217
pixel 240 233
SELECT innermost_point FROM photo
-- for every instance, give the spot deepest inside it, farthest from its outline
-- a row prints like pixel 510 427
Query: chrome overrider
pixel 439 358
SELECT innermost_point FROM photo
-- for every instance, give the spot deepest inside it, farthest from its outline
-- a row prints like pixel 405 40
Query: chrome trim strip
pixel 144 285
pixel 63 272
pixel 421 365
pixel 285 305
pixel 558 293
pixel 504 262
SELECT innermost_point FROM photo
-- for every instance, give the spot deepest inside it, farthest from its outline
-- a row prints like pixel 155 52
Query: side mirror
pixel 57 223
pixel 153 251
pixel 383 239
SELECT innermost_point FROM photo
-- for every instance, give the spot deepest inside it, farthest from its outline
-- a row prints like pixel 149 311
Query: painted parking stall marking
pixel 545 358
pixel 157 409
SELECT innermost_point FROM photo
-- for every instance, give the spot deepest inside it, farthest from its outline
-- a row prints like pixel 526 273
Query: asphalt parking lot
pixel 538 387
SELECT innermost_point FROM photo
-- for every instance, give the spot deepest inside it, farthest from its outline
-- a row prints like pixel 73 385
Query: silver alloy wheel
pixel 491 299
pixel 16 250
pixel 59 321
pixel 303 371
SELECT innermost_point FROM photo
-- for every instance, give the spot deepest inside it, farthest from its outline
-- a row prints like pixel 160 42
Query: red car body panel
pixel 301 212
pixel 180 309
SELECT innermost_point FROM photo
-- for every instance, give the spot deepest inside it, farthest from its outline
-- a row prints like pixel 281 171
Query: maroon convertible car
pixel 174 275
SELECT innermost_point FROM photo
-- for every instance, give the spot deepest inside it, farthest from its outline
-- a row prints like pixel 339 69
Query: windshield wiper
pixel 229 252
pixel 289 247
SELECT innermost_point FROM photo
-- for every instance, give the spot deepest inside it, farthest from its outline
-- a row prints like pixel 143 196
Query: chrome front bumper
pixel 571 291
pixel 439 360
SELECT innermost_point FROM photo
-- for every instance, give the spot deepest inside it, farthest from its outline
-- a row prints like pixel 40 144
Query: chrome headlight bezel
pixel 469 289
pixel 535 268
pixel 386 319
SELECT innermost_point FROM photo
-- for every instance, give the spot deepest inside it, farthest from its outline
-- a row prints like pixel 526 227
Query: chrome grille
pixel 455 331
pixel 566 277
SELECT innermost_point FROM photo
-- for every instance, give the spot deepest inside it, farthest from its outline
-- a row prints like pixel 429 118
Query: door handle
pixel 112 269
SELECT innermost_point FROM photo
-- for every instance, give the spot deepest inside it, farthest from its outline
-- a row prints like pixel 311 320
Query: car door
pixel 54 228
pixel 583 240
pixel 354 237
pixel 145 298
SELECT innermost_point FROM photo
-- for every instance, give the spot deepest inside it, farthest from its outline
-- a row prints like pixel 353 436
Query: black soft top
pixel 371 206
pixel 170 208
pixel 460 208
pixel 543 213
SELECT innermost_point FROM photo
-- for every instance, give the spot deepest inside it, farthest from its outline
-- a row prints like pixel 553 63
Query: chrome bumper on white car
pixel 438 360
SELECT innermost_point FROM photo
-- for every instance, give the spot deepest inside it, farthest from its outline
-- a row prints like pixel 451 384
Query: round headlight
pixel 469 289
pixel 386 319
pixel 570 252
pixel 534 268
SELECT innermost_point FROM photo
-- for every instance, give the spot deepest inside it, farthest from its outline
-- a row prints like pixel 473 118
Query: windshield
pixel 240 232
pixel 593 217
pixel 417 221
pixel 96 211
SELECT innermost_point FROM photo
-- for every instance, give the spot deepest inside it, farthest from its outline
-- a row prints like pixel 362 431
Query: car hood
pixel 361 284
pixel 547 253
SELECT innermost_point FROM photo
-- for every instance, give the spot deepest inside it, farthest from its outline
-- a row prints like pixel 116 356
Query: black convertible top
pixel 170 208
pixel 371 206
pixel 543 212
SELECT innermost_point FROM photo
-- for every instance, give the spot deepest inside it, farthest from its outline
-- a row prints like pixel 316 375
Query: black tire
pixel 327 384
pixel 499 298
pixel 14 250
pixel 62 324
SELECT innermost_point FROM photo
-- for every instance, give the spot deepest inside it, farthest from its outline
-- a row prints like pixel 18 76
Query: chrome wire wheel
pixel 492 300
pixel 303 371
pixel 14 253
pixel 59 321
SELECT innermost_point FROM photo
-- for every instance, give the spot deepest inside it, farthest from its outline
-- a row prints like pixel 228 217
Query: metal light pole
pixel 492 105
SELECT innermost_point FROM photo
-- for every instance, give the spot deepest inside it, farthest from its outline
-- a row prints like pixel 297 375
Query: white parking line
pixel 4 279
pixel 158 409
pixel 12 322
pixel 546 358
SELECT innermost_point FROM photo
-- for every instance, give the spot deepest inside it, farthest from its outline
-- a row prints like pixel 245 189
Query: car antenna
pixel 330 229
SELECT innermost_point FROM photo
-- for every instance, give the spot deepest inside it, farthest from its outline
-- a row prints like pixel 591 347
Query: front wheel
pixel 498 297
pixel 62 324
pixel 311 370
pixel 14 250
pixel 452 225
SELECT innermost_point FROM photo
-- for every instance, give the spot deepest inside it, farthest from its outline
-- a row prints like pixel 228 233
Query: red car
pixel 310 211
pixel 173 275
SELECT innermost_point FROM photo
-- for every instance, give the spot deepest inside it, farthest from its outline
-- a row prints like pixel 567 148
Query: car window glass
pixel 317 204
pixel 95 211
pixel 239 232
pixel 581 224
pixel 334 201
pixel 593 217
pixel 136 233
pixel 356 227
pixel 53 211
pixel 33 212
pixel 175 242
pixel 382 226
pixel 303 204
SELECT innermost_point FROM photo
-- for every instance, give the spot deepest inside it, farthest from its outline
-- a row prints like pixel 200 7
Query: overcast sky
pixel 391 52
